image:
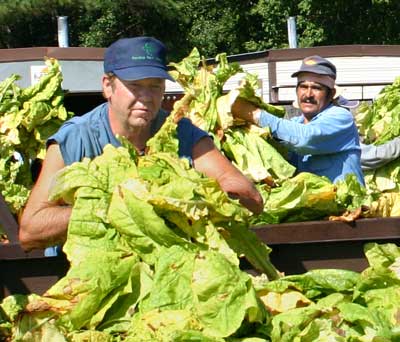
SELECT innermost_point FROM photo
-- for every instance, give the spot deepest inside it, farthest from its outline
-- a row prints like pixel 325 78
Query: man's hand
pixel 242 109
pixel 210 161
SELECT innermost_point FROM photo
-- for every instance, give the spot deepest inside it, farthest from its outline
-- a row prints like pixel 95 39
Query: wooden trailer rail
pixel 296 248
pixel 302 246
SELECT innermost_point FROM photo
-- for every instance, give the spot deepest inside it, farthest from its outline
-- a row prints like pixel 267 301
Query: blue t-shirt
pixel 328 145
pixel 86 135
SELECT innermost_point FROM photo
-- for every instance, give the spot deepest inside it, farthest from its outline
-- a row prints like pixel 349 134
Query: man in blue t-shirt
pixel 324 139
pixel 133 84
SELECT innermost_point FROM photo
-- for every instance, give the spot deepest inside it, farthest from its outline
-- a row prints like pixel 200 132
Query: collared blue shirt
pixel 328 145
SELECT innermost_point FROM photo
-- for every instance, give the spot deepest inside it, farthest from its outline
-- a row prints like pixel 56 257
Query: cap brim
pixel 352 104
pixel 343 102
pixel 142 72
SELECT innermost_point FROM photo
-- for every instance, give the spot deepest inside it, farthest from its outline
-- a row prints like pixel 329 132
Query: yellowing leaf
pixel 281 302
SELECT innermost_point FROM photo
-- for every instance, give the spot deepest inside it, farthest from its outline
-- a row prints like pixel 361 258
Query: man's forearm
pixel 375 156
pixel 46 227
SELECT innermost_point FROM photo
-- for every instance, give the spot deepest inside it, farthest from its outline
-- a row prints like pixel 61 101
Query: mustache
pixel 308 100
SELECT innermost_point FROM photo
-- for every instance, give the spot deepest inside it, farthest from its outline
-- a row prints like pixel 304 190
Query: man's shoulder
pixel 95 114
pixel 78 125
pixel 89 119
pixel 336 114
pixel 337 110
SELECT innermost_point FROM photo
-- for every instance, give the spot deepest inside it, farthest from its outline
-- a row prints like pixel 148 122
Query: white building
pixel 362 71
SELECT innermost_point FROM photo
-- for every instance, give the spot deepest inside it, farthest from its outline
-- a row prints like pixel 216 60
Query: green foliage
pixel 105 21
pixel 270 24
pixel 335 22
pixel 233 27
pixel 215 27
pixel 94 23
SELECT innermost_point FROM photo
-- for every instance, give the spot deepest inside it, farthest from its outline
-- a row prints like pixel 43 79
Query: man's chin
pixel 308 108
pixel 140 122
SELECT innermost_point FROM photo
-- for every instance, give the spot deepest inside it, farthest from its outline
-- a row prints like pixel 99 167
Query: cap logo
pixel 310 62
pixel 149 50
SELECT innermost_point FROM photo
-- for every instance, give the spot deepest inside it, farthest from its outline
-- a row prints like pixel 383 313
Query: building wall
pixel 78 76
pixel 362 69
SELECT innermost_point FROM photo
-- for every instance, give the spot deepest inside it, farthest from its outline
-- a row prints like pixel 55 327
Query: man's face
pixel 134 103
pixel 313 98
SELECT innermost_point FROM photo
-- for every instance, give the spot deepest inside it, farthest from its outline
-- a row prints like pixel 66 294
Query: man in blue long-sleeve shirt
pixel 324 139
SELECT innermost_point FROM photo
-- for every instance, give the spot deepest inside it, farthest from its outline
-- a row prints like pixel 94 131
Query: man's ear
pixel 333 92
pixel 107 86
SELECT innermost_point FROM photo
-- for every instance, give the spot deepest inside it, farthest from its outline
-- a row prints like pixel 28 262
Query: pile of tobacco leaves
pixel 28 116
pixel 155 247
pixel 378 124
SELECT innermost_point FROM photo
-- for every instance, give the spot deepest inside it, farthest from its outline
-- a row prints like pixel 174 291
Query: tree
pixel 320 23
pixel 269 24
pixel 27 23
pixel 216 26
pixel 94 23
pixel 107 20
pixel 213 27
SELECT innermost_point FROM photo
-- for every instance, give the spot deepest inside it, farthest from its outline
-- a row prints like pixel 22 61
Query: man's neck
pixel 309 117
pixel 138 136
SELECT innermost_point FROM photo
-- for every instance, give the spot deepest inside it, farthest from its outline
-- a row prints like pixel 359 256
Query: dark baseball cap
pixel 317 65
pixel 137 58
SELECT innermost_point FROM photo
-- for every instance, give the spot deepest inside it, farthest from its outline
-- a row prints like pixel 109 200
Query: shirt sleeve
pixel 70 142
pixel 375 156
pixel 188 136
pixel 330 131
